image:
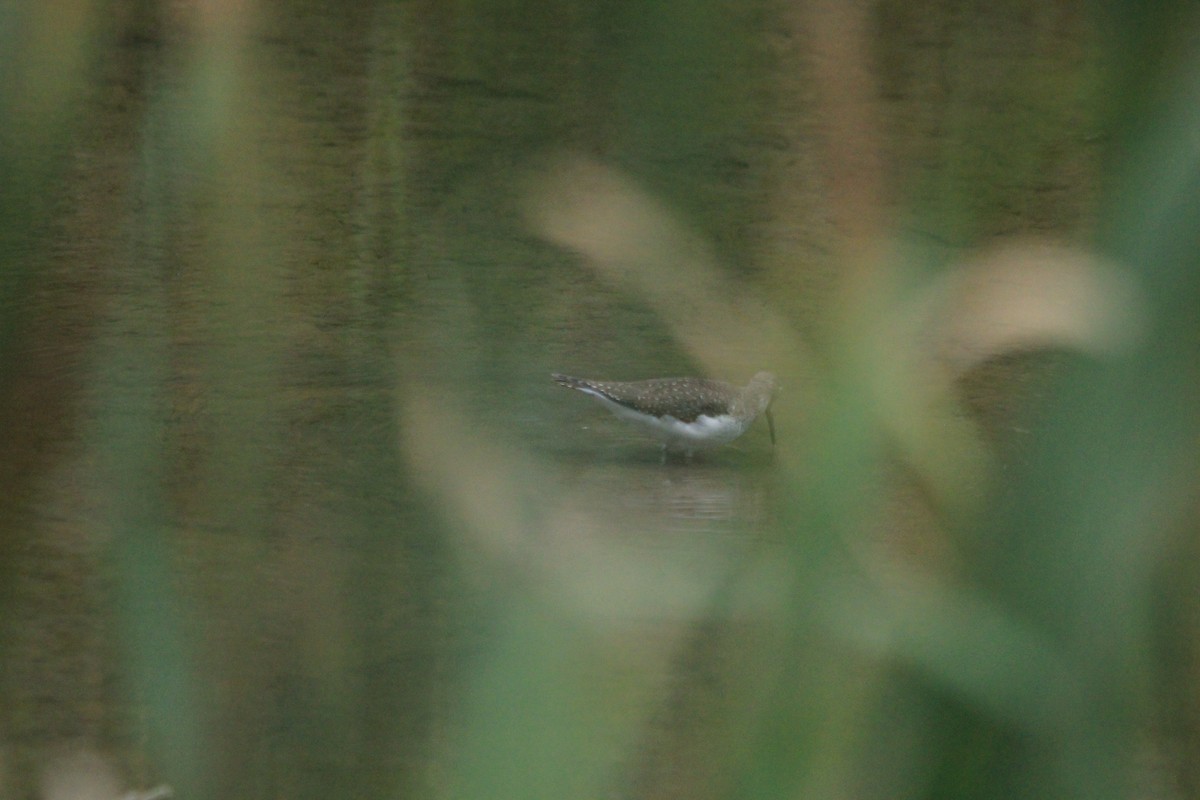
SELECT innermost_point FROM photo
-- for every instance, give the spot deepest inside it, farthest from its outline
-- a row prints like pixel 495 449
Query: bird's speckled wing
pixel 684 399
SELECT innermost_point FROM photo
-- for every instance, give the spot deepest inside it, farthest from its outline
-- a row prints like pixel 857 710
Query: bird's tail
pixel 568 381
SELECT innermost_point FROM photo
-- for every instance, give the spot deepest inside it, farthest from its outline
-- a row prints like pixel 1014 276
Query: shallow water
pixel 294 463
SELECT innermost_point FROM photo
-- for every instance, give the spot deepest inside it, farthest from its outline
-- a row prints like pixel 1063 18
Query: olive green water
pixel 287 452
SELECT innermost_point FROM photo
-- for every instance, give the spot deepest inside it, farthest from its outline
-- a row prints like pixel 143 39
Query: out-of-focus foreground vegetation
pixel 1031 631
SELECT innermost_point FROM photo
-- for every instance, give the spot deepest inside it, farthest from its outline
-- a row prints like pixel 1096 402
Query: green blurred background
pixel 290 507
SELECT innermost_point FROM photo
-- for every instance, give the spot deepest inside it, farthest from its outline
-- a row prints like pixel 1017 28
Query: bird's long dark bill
pixel 771 426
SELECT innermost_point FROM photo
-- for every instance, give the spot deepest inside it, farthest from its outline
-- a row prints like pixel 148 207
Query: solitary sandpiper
pixel 686 414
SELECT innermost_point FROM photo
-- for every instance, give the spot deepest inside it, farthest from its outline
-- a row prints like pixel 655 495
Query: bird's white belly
pixel 704 431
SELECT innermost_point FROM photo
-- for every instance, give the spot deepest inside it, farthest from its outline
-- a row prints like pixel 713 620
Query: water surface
pixel 296 493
